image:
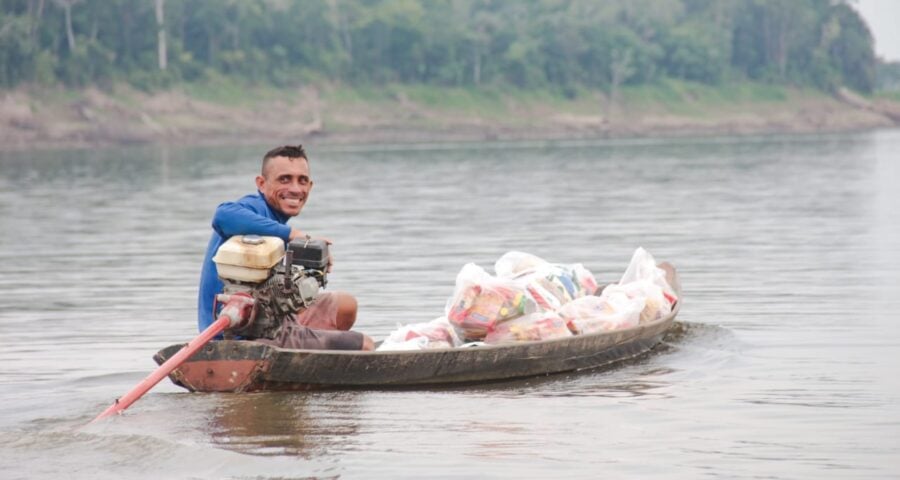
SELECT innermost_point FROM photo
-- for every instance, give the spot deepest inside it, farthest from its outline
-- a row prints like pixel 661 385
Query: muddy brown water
pixel 784 365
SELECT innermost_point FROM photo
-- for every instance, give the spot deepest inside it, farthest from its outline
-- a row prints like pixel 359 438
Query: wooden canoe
pixel 245 366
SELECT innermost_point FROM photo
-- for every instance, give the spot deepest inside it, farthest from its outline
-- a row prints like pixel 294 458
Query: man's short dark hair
pixel 288 151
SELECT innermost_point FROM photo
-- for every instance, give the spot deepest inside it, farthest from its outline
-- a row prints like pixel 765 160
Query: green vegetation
pixel 564 47
pixel 230 91
pixel 889 77
pixel 685 98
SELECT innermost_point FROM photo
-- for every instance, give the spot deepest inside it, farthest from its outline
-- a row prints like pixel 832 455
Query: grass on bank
pixel 694 100
pixel 508 104
pixel 422 107
pixel 229 92
pixel 489 102
pixel 893 96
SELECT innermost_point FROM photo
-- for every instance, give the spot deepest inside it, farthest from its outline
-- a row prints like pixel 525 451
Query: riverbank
pixel 227 113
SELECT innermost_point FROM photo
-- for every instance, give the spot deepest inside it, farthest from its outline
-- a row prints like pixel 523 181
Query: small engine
pixel 281 282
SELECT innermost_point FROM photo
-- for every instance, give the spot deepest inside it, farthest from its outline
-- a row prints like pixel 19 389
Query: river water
pixel 783 365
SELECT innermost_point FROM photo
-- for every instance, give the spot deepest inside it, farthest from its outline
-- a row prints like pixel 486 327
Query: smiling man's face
pixel 285 183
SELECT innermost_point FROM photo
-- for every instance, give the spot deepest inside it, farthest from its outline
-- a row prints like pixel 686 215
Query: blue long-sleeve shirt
pixel 250 215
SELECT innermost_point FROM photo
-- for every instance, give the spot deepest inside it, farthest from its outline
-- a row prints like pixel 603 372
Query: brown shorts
pixel 316 329
pixel 322 314
pixel 294 336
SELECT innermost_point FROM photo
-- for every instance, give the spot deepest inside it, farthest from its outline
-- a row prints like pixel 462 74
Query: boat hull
pixel 243 366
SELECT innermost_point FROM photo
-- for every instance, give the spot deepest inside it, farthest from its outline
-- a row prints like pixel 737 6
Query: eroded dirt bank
pixel 46 118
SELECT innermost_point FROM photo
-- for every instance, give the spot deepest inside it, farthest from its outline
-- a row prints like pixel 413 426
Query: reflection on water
pixel 263 424
pixel 276 423
pixel 788 250
pixel 317 424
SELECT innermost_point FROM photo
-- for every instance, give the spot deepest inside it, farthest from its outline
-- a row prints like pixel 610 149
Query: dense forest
pixel 564 44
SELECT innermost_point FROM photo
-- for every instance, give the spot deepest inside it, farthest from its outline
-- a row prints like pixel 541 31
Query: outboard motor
pixel 281 281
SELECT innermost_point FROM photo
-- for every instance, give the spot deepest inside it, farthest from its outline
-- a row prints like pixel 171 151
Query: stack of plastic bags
pixel 531 299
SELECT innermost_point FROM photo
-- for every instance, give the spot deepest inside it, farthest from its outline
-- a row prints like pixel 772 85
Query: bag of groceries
pixel 437 333
pixel 613 310
pixel 642 268
pixel 529 328
pixel 513 264
pixel 644 279
pixel 656 304
pixel 480 301
pixel 552 281
pixel 550 285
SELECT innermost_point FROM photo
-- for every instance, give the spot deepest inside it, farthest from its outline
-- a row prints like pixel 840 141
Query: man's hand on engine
pixel 330 256
pixel 295 234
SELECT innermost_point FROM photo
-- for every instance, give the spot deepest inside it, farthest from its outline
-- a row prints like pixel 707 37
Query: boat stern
pixel 221 366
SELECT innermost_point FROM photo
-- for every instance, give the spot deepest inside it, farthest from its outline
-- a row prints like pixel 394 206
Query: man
pixel 283 188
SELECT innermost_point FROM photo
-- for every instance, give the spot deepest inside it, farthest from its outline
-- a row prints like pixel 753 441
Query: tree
pixel 560 44
pixel 35 12
pixel 693 52
pixel 161 34
pixel 853 50
pixel 67 5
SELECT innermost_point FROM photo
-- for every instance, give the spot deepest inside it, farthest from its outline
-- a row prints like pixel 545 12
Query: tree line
pixel 565 44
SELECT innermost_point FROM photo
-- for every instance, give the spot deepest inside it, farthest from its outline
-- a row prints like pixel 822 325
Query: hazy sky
pixel 883 17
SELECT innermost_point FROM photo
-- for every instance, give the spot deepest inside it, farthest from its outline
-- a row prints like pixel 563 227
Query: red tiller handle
pixel 238 309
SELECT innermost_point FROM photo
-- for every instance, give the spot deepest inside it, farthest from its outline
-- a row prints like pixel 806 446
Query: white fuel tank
pixel 248 258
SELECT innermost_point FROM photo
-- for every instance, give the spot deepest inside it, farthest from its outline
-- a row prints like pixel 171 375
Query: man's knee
pixel 346 311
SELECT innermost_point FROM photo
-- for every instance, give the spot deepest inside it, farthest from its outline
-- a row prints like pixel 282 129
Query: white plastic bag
pixel 513 264
pixel 545 299
pixel 656 305
pixel 584 279
pixel 438 333
pixel 481 301
pixel 613 310
pixel 530 328
pixel 550 285
pixel 643 268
